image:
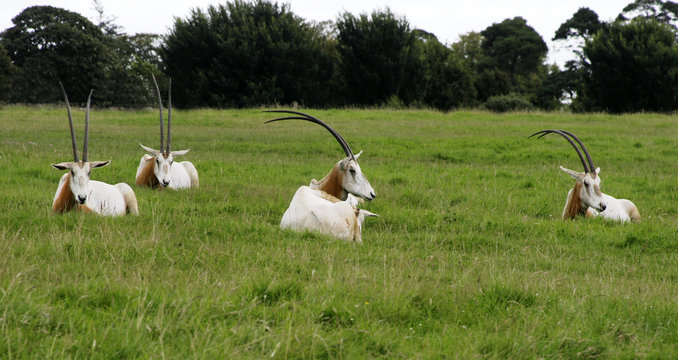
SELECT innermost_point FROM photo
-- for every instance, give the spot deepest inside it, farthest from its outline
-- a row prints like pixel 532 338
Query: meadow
pixel 469 258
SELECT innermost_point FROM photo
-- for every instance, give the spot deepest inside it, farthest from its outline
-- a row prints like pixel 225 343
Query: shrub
pixel 508 102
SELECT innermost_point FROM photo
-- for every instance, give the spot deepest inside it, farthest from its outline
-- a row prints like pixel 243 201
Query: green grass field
pixel 468 259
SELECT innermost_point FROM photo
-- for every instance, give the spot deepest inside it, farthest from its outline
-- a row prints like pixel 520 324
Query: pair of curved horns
pixel 307 117
pixel 169 114
pixel 568 135
pixel 70 123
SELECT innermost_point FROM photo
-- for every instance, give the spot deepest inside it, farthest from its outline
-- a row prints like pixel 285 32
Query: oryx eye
pixel 157 161
pixel 352 171
pixel 72 173
pixel 586 184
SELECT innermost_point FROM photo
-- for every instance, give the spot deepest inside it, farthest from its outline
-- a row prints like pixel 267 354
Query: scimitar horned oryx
pixel 157 169
pixel 77 191
pixel 585 198
pixel 330 206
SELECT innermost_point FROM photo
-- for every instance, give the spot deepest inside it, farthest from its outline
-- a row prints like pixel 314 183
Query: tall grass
pixel 469 257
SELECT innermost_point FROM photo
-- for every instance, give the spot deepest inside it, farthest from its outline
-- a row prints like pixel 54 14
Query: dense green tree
pixel 7 73
pixel 631 66
pixel 246 54
pixel 134 58
pixel 663 11
pixel 512 51
pixel 380 59
pixel 49 45
pixel 448 83
pixel 583 24
pixel 469 49
pixel 556 86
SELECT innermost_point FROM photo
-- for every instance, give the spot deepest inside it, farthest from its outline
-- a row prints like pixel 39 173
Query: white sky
pixel 446 19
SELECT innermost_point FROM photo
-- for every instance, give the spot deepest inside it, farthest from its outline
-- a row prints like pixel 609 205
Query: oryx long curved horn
pixel 561 133
pixel 586 152
pixel 86 140
pixel 162 131
pixel 302 116
pixel 70 123
pixel 169 115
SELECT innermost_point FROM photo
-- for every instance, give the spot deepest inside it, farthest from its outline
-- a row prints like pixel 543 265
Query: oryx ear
pixel 368 214
pixel 597 170
pixel 179 153
pixel 98 164
pixel 149 150
pixel 356 156
pixel 63 165
pixel 574 174
pixel 343 163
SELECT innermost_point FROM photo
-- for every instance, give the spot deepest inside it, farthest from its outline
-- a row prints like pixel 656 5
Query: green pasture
pixel 468 259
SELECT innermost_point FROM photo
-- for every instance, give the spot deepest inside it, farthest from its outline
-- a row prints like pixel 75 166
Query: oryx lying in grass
pixel 158 166
pixel 76 190
pixel 585 198
pixel 329 206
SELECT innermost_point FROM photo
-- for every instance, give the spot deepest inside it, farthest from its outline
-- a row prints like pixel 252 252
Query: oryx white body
pixel 77 191
pixel 315 210
pixel 330 206
pixel 154 169
pixel 586 199
pixel 100 197
pixel 158 166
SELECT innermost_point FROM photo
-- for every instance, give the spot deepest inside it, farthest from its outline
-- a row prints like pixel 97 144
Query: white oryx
pixel 158 166
pixel 329 206
pixel 77 191
pixel 585 198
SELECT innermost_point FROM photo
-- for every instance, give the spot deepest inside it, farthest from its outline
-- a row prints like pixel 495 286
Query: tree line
pixel 247 54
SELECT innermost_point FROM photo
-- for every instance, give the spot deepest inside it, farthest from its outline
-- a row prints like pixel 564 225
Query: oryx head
pixel 353 181
pixel 79 170
pixel 588 180
pixel 164 157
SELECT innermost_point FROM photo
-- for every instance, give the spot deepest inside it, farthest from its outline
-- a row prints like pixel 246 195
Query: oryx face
pixel 163 164
pixel 79 177
pixel 162 167
pixel 354 181
pixel 589 190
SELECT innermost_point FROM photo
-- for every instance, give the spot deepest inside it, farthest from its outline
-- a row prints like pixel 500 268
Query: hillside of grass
pixel 468 259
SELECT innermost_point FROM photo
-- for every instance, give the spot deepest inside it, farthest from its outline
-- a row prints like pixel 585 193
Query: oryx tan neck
pixel 575 206
pixel 147 176
pixel 65 201
pixel 332 184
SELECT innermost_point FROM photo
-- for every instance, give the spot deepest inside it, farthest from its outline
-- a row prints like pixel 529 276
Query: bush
pixel 509 102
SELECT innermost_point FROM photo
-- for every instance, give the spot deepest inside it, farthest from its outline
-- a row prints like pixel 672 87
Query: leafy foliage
pixel 7 71
pixel 448 82
pixel 49 44
pixel 508 102
pixel 246 54
pixel 512 59
pixel 663 11
pixel 632 67
pixel 583 24
pixel 380 58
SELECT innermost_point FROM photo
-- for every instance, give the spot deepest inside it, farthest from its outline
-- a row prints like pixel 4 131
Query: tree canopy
pixel 380 58
pixel 48 44
pixel 246 54
pixel 632 67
